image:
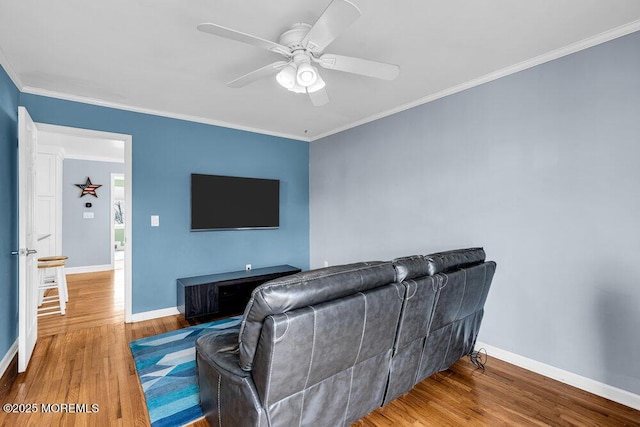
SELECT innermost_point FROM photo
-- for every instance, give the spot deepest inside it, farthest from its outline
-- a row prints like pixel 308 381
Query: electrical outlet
pixel 247 267
pixel 326 263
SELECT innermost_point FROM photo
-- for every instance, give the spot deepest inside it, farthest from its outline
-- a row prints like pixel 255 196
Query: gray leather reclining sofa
pixel 326 347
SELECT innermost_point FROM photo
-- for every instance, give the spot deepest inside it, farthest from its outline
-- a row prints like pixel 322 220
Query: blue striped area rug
pixel 166 367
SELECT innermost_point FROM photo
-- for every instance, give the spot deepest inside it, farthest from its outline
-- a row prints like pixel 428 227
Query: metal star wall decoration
pixel 88 188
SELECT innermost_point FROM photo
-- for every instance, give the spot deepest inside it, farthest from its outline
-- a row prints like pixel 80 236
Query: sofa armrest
pixel 221 350
pixel 227 393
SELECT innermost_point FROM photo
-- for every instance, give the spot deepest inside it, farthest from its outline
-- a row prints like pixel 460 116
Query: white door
pixel 27 239
pixel 48 203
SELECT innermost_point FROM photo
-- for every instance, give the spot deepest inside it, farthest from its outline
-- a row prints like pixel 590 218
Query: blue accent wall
pixel 165 152
pixel 9 96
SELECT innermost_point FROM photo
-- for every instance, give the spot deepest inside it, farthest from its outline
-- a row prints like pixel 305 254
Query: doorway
pixel 82 145
pixel 118 212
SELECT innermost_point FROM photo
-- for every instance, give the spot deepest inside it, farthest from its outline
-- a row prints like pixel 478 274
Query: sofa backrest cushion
pixel 303 289
pixel 440 316
pixel 331 357
pixel 412 266
pixel 445 261
pixel 420 298
pixel 456 317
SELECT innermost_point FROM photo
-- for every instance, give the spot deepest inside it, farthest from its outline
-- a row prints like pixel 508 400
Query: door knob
pixel 25 252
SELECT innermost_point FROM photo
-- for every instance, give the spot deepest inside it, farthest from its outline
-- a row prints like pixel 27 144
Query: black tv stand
pixel 224 293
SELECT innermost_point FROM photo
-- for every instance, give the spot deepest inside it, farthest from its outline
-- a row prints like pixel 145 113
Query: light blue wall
pixel 542 169
pixel 87 242
pixel 8 212
pixel 165 153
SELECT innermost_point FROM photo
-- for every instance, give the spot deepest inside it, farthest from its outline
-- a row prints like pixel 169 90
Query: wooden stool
pixel 64 276
pixel 56 281
pixel 53 258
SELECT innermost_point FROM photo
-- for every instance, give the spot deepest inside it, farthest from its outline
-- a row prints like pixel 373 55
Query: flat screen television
pixel 231 203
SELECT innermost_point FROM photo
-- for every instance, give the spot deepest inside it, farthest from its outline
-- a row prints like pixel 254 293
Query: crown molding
pixel 51 149
pixel 541 59
pixel 606 36
pixel 94 101
pixel 94 158
pixel 101 103
pixel 83 133
pixel 10 71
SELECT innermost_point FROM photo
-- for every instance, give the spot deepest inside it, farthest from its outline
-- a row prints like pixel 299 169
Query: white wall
pixel 542 169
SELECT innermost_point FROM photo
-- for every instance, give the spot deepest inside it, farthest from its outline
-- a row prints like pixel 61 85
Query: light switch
pixel 87 215
pixel 155 220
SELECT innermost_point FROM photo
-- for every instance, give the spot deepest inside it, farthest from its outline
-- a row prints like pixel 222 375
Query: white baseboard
pixel 154 314
pixel 6 360
pixel 587 384
pixel 88 269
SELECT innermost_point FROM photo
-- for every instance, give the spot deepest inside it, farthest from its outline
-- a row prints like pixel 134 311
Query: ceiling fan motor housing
pixel 293 38
pixel 306 74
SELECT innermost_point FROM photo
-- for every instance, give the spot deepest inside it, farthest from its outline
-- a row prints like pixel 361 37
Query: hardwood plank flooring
pixel 94 299
pixel 84 358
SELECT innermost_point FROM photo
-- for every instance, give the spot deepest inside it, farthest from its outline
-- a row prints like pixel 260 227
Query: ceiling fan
pixel 302 47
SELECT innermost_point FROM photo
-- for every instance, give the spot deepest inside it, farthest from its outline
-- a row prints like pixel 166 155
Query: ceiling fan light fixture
pixel 319 84
pixel 307 74
pixel 287 76
pixel 298 89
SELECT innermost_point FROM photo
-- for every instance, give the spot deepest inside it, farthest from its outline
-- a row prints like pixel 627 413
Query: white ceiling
pixel 146 55
pixel 82 147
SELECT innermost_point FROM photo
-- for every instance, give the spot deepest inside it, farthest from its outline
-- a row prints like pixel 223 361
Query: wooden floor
pixel 84 358
pixel 95 299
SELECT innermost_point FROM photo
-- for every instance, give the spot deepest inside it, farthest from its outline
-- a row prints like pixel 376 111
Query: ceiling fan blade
pixel 319 97
pixel 336 18
pixel 228 33
pixel 265 71
pixel 379 70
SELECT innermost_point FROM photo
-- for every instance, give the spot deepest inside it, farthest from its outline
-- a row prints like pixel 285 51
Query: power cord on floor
pixel 478 358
